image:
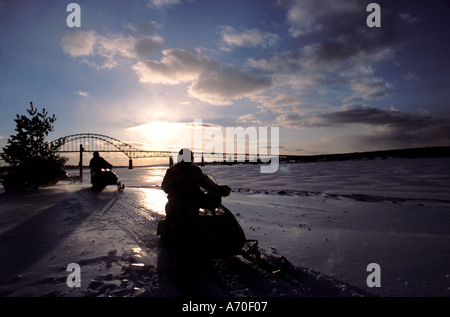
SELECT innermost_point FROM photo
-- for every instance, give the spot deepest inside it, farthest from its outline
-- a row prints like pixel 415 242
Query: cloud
pixel 372 128
pixel 341 32
pixel 79 43
pixel 176 66
pixel 163 3
pixel 249 118
pixel 333 46
pixel 408 18
pixel 221 86
pixel 281 100
pixel 103 51
pixel 309 16
pixel 347 51
pixel 145 28
pixel 82 93
pixel 292 120
pixel 307 71
pixel 410 76
pixel 390 128
pixel 248 38
pixel 210 82
pixel 340 40
pixel 144 47
pixel 369 88
pixel 366 115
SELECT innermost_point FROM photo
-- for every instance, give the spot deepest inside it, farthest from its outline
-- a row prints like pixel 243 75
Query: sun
pixel 158 132
pixel 161 134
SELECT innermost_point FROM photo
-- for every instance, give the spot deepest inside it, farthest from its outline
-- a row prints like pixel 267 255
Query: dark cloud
pixel 221 86
pixel 338 30
pixel 379 128
pixel 396 128
pixel 334 45
pixel 408 18
pixel 147 46
pixel 146 28
pixel 382 117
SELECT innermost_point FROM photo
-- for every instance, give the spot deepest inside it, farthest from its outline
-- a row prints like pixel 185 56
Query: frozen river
pixel 337 217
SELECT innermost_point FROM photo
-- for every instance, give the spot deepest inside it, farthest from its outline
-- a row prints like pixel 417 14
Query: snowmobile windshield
pixel 212 178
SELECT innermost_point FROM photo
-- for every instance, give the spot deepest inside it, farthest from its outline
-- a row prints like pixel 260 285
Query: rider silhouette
pixel 182 183
pixel 97 163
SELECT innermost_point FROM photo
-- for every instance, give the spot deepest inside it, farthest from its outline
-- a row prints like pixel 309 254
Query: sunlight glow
pixel 155 201
pixel 158 132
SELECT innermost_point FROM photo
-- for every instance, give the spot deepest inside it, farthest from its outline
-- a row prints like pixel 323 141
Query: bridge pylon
pixel 80 164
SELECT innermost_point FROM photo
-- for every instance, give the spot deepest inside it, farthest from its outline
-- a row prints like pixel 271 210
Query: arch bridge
pixel 91 142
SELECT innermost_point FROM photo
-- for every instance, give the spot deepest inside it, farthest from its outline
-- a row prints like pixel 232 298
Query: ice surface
pixel 333 218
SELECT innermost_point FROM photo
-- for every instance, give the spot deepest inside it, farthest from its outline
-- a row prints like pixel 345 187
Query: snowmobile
pixel 208 230
pixel 104 177
pixel 211 231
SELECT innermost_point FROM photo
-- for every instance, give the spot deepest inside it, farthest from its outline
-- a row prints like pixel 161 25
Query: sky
pixel 141 70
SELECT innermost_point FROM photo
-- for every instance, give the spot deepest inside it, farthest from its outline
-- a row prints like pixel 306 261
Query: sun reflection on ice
pixel 155 200
pixel 138 254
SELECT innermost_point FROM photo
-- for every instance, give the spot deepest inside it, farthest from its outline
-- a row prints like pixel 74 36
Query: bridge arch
pixel 84 142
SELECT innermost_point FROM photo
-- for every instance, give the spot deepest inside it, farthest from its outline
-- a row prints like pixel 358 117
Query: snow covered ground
pixel 329 219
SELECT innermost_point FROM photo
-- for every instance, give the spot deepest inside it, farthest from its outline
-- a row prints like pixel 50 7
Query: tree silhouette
pixel 32 160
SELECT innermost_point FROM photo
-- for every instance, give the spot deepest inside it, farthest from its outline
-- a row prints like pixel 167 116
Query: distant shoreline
pixel 426 152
